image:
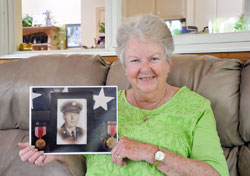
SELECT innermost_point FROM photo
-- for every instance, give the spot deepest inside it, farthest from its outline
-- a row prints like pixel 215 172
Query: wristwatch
pixel 159 157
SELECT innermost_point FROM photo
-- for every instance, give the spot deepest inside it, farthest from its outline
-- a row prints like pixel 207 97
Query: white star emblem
pixel 34 95
pixel 101 100
pixel 65 90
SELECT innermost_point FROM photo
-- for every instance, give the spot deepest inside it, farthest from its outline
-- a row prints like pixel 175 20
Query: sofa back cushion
pixel 214 78
pixel 245 103
pixel 43 70
pixel 219 81
pixel 116 76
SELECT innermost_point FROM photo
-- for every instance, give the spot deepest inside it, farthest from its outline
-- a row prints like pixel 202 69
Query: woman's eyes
pixel 155 58
pixel 134 60
pixel 151 59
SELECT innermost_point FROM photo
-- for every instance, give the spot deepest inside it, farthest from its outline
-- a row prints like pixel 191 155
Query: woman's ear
pixel 169 62
pixel 124 70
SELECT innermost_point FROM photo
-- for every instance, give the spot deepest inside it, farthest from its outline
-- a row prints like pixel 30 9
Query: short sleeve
pixel 206 143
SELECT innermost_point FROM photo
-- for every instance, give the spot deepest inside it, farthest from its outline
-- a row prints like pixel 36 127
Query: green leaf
pixel 54 37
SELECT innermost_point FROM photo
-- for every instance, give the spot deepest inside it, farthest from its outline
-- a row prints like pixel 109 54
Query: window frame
pixel 4 34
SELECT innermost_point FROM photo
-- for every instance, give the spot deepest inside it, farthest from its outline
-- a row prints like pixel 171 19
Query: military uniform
pixel 68 138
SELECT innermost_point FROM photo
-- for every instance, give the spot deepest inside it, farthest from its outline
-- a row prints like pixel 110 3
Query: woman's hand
pixel 29 154
pixel 133 150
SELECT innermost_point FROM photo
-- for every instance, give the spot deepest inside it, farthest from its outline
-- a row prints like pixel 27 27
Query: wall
pixel 204 11
pixel 63 11
pixel 88 9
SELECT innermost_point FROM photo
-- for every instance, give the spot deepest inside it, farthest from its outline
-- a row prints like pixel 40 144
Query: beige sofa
pixel 225 82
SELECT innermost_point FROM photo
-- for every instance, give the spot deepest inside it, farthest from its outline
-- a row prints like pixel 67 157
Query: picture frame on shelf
pixel 73 35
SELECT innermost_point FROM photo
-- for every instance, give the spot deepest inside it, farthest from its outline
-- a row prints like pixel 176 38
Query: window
pixel 46 20
pixel 11 15
pixel 236 41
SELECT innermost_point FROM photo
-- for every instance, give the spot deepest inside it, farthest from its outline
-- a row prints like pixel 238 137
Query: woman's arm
pixel 172 165
pixel 175 165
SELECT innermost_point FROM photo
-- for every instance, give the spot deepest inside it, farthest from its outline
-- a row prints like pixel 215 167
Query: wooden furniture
pixel 5 60
pixel 243 56
pixel 52 33
pixel 166 9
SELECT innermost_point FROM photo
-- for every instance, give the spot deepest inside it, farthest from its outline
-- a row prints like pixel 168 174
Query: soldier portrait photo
pixel 72 121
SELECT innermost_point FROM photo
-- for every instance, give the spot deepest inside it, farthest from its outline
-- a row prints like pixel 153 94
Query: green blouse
pixel 184 125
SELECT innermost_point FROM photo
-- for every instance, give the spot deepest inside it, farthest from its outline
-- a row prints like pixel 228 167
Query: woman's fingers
pixel 35 156
pixel 23 145
pixel 114 152
pixel 116 155
pixel 25 150
pixel 40 161
pixel 28 153
pixel 26 156
pixel 119 160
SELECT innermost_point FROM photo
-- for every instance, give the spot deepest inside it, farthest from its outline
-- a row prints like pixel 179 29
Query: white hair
pixel 146 28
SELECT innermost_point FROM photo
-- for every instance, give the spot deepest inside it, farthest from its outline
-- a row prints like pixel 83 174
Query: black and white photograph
pixel 73 119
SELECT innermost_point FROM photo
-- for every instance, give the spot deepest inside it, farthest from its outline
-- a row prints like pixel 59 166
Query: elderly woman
pixel 162 129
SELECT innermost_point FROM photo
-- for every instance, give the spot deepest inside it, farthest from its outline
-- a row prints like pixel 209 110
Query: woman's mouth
pixel 147 78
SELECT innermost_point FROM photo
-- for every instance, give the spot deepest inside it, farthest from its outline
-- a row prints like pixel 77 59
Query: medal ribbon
pixel 112 128
pixel 40 131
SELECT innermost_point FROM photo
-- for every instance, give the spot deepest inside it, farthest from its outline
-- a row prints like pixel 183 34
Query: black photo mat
pixel 96 124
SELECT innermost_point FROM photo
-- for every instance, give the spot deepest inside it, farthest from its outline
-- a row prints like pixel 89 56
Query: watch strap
pixel 156 163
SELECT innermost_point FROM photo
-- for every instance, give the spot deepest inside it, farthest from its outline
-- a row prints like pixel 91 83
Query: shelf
pixel 49 31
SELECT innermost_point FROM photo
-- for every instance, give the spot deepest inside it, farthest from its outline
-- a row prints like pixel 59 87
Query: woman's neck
pixel 150 100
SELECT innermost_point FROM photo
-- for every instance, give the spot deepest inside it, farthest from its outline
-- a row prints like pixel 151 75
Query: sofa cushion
pixel 48 70
pixel 11 164
pixel 116 76
pixel 231 155
pixel 245 103
pixel 219 81
pixel 244 161
pixel 214 78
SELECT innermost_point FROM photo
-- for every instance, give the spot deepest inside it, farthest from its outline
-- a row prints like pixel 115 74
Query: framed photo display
pixel 73 119
pixel 73 35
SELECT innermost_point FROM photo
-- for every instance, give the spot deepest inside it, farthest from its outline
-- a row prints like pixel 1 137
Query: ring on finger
pixel 118 156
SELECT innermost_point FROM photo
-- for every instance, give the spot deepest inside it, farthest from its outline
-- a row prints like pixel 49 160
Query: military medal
pixel 111 141
pixel 40 131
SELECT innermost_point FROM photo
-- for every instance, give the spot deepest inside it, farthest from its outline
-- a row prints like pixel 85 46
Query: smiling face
pixel 71 119
pixel 146 65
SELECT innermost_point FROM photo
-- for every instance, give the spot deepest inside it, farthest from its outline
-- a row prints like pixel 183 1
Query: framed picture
pixel 70 119
pixel 73 35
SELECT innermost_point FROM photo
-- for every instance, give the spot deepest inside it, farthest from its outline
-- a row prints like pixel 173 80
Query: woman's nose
pixel 145 66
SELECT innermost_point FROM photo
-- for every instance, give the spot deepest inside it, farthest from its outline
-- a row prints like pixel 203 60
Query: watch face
pixel 159 156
